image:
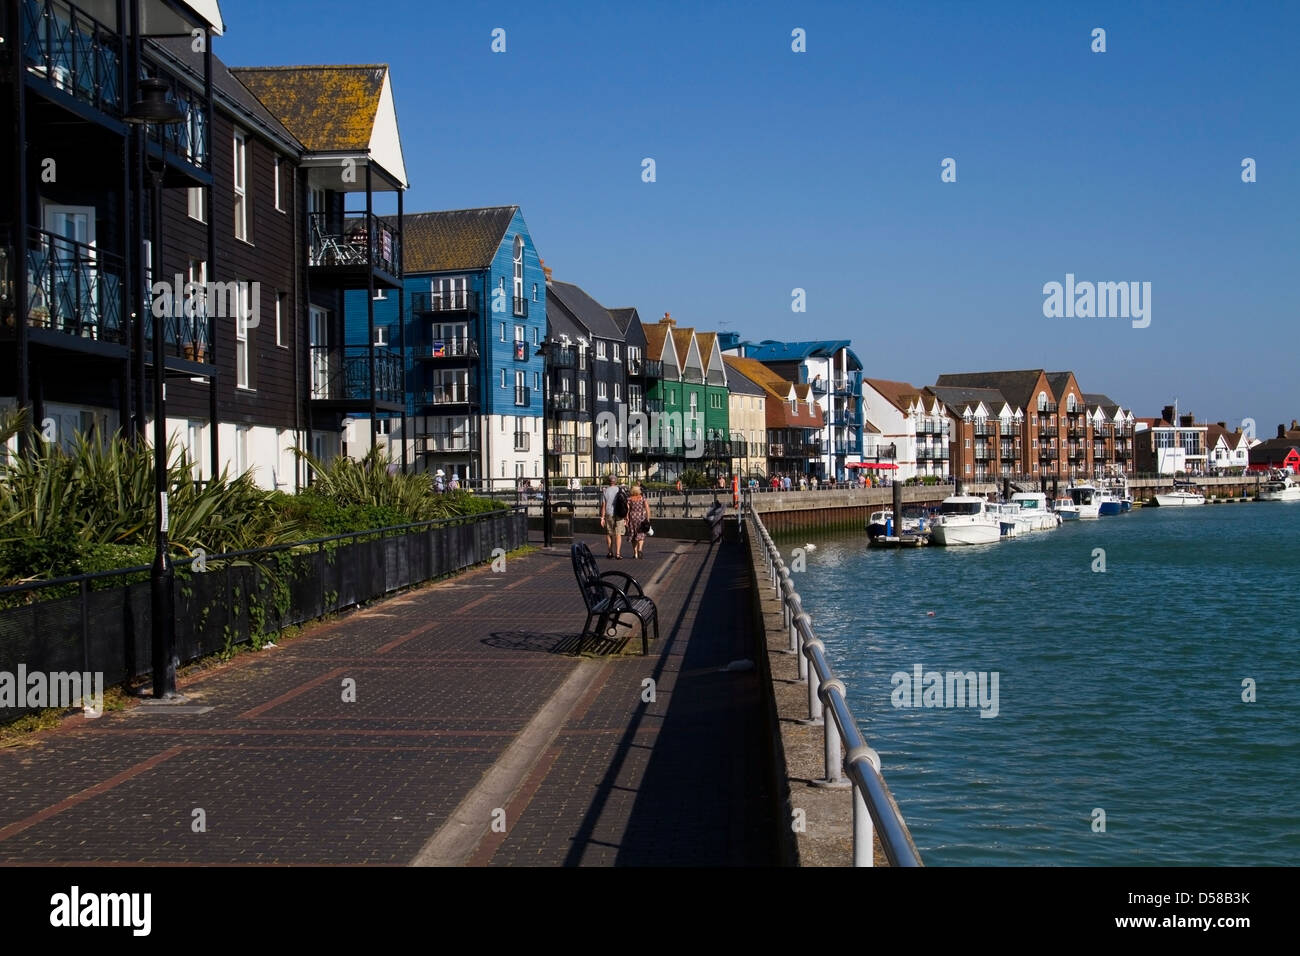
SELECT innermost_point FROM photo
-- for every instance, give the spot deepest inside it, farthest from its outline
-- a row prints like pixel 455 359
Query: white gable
pixel 385 143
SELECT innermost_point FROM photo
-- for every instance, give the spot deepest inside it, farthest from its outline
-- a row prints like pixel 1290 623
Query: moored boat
pixel 1280 487
pixel 965 519
pixel 1034 509
pixel 1087 499
pixel 1180 497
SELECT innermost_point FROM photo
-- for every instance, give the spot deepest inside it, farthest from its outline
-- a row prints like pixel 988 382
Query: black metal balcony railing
pixel 523 396
pixel 561 356
pixel 645 368
pixel 445 442
pixel 981 452
pixel 563 402
pixel 344 374
pixel 461 392
pixel 74 289
pixel 1075 451
pixel 570 445
pixel 521 306
pixel 521 441
pixel 1006 452
pixel 354 240
pixel 1098 451
pixel 1050 454
pixel 1048 431
pixel 447 349
pixel 1045 407
pixel 444 302
pixel 75 52
pixel 985 428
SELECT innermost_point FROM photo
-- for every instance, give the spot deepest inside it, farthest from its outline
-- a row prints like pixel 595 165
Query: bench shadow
pixel 552 643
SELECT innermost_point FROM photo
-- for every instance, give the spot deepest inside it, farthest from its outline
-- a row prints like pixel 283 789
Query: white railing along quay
pixel 872 801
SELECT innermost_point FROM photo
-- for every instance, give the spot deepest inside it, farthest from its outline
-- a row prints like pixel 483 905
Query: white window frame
pixel 602 392
pixel 601 355
pixel 503 378
pixel 618 392
pixel 239 182
pixel 279 194
pixel 618 353
pixel 243 347
pixel 197 203
pixel 279 321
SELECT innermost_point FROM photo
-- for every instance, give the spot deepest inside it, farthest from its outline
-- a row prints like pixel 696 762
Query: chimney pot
pixel 1281 431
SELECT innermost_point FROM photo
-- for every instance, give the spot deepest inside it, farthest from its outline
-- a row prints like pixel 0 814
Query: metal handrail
pixel 872 801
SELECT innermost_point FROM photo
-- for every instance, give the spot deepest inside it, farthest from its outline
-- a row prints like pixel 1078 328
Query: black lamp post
pixel 153 107
pixel 544 350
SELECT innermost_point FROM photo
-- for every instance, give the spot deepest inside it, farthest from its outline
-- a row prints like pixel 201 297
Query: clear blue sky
pixel 821 170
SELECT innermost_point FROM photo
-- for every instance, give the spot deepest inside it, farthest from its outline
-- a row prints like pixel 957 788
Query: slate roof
pixel 327 108
pixel 1058 382
pixel 1274 451
pixel 455 239
pixel 623 318
pixel 180 51
pixel 955 398
pixel 1017 386
pixel 738 381
pixel 589 313
pixel 1095 399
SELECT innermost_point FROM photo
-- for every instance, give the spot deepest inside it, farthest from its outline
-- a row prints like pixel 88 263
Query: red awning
pixel 883 466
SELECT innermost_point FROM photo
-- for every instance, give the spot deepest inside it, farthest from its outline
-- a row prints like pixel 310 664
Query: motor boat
pixel 1033 508
pixel 1279 487
pixel 965 519
pixel 1087 498
pixel 882 523
pixel 1065 508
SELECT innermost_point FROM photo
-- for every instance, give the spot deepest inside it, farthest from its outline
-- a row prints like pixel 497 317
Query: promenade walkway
pixel 475 735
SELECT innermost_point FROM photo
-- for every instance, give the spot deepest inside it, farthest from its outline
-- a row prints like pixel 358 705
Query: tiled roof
pixel 738 381
pixel 455 239
pixel 705 342
pixel 682 342
pixel 656 337
pixel 326 107
pixel 898 394
pixel 1017 386
pixel 588 312
pixel 956 397
pixel 1058 382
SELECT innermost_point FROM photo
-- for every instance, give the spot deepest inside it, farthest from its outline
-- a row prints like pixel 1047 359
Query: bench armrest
pixel 617 592
pixel 631 582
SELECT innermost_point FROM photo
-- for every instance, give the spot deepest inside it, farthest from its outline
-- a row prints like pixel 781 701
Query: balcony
pixel 521 306
pixel 1076 431
pixel 1098 451
pixel 985 428
pixel 347 253
pixel 75 294
pixel 1075 452
pixel 561 356
pixel 521 441
pixel 563 402
pixel 447 349
pixel 1048 431
pixel 570 445
pixel 523 396
pixel 1048 454
pixel 74 52
pixel 1047 408
pixel 716 448
pixel 981 452
pixel 1007 453
pixel 447 302
pixel 447 442
pixel 341 382
pixel 448 394
pixel 645 368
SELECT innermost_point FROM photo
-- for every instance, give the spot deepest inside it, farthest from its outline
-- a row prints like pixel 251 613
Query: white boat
pixel 1087 499
pixel 1065 508
pixel 1279 487
pixel 1180 498
pixel 965 519
pixel 1033 508
pixel 1011 523
pixel 881 523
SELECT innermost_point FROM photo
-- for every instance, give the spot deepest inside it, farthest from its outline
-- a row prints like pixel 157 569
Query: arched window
pixel 1042 401
pixel 519 275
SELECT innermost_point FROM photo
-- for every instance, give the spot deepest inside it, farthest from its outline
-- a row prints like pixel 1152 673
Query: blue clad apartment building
pixel 474 312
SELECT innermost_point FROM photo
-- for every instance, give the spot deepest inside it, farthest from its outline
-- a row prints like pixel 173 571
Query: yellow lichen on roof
pixel 326 107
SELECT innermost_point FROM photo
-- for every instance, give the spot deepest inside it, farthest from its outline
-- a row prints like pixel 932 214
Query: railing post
pixel 831 737
pixel 864 843
pixel 815 715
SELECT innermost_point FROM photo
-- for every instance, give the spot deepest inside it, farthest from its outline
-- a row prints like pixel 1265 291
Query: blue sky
pixel 821 170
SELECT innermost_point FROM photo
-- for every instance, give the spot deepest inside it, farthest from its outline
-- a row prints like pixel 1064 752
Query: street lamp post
pixel 544 350
pixel 153 107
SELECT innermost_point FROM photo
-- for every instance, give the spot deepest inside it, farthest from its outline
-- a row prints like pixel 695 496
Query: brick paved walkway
pixel 285 770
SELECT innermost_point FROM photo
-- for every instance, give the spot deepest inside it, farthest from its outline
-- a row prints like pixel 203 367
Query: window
pixel 582 395
pixel 600 351
pixel 279 193
pixel 534 291
pixel 519 275
pixel 582 358
pixel 241 185
pixel 197 199
pixel 241 449
pixel 243 364
pixel 503 378
pixel 519 333
pixel 279 321
pixel 535 335
pixel 503 331
pixel 601 392
pixel 617 356
pixel 537 380
pixel 618 392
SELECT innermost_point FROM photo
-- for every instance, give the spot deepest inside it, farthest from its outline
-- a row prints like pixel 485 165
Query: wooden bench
pixel 607 602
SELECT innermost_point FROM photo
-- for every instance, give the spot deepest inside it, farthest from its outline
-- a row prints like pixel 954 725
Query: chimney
pixel 669 321
pixel 1223 425
pixel 1187 421
pixel 1294 425
pixel 546 269
pixel 1167 414
pixel 1281 431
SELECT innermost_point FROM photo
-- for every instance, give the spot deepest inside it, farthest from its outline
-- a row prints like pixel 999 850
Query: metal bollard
pixel 814 698
pixel 863 829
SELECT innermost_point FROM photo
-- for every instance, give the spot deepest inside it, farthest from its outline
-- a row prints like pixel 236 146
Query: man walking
pixel 615 524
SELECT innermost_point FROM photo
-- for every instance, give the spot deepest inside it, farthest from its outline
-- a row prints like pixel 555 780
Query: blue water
pixel 1120 691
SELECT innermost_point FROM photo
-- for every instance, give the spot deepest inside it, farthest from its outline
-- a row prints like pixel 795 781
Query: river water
pixel 1121 736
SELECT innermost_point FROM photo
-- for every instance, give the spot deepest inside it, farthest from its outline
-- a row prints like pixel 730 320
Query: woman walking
pixel 638 519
